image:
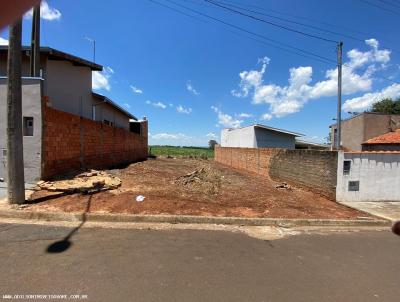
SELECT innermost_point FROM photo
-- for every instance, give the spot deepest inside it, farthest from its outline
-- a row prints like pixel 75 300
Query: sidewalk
pixel 385 209
pixel 3 189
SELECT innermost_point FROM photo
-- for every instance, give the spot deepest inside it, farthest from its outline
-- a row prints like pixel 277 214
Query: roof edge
pixel 115 105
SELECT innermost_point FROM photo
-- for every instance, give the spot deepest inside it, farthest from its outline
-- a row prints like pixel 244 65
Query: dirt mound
pixel 87 182
pixel 204 179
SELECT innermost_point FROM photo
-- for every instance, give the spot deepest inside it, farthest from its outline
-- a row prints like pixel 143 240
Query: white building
pixel 259 136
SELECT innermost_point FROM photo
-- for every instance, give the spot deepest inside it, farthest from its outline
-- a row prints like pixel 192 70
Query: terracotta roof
pixel 387 138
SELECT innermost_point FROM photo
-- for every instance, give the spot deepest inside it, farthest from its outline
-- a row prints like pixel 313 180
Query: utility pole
pixel 15 156
pixel 35 43
pixel 339 103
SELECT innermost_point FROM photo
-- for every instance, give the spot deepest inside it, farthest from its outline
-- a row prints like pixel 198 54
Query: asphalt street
pixel 195 265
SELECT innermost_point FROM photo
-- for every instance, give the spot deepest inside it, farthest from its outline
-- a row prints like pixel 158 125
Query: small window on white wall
pixel 94 113
pixel 28 126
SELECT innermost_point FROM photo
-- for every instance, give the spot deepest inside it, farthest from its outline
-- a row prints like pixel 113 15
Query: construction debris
pixel 88 182
pixel 284 185
pixel 204 179
pixel 140 198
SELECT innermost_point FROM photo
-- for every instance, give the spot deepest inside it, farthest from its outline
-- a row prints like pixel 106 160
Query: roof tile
pixel 387 138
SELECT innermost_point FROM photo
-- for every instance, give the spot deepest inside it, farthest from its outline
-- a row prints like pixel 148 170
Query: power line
pixel 295 22
pixel 310 20
pixel 271 23
pixel 381 7
pixel 309 53
pixel 297 16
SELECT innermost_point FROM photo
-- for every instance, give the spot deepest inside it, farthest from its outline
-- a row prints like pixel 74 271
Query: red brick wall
pixel 73 143
pixel 256 160
pixel 314 170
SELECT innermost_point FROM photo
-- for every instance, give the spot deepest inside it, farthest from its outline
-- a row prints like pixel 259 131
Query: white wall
pixel 31 107
pixel 242 137
pixel 378 174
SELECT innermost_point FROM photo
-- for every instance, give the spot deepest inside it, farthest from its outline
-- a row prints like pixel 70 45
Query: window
pixel 94 112
pixel 4 152
pixel 135 127
pixel 28 126
pixel 107 122
pixel 346 167
pixel 354 186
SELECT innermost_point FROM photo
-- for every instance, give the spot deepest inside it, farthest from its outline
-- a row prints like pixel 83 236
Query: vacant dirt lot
pixel 198 187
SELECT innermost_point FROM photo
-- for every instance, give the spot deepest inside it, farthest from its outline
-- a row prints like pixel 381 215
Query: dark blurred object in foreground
pixel 396 228
pixel 11 11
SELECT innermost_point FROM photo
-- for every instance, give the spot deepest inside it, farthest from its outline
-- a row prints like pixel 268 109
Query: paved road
pixel 192 265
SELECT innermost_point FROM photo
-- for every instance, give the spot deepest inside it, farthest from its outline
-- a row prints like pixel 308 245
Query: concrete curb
pixel 60 216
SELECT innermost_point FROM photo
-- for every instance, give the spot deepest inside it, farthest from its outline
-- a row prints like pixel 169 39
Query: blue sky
pixel 192 76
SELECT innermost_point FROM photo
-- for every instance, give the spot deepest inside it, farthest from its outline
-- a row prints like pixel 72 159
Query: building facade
pixel 362 127
pixel 386 142
pixel 258 136
pixel 64 92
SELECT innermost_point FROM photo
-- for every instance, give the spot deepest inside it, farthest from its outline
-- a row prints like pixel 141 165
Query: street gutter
pixel 174 219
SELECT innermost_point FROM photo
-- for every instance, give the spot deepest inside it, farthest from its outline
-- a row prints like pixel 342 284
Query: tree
pixel 15 156
pixel 387 105
pixel 212 143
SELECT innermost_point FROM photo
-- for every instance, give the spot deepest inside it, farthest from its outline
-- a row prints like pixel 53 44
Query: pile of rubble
pixel 284 185
pixel 87 182
pixel 204 179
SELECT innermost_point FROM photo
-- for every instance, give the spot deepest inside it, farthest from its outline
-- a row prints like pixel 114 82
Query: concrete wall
pixel 360 128
pixel 31 107
pixel 272 139
pixel 378 175
pixel 378 124
pixel 105 111
pixel 312 169
pixel 316 170
pixel 69 88
pixel 254 137
pixel 242 137
pixel 72 143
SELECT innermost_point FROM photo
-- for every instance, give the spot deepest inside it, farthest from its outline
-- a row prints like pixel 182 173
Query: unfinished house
pixel 66 126
pixel 258 136
pixel 362 127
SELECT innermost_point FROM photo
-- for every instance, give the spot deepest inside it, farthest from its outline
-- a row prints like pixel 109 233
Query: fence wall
pixel 314 170
pixel 376 176
pixel 73 143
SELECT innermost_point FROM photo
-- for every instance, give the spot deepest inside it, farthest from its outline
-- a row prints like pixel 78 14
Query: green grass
pixel 198 152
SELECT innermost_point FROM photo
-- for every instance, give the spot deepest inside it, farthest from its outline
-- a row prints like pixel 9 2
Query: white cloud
pixel 157 104
pixel 170 136
pixel 226 120
pixel 212 135
pixel 179 139
pixel 109 70
pixel 3 41
pixel 190 88
pixel 46 12
pixel 365 101
pixel 244 115
pixel 266 117
pixel 184 110
pixel 136 90
pixel 357 76
pixel 100 79
pixel 127 105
